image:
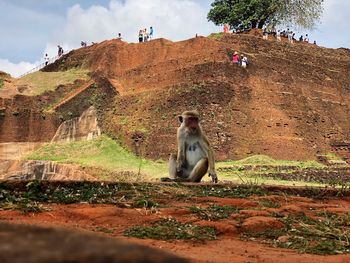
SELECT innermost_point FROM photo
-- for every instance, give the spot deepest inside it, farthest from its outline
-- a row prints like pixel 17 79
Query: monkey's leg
pixel 199 171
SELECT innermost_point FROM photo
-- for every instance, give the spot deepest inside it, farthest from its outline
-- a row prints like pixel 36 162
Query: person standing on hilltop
pixel 151 32
pixel 140 36
pixel 278 36
pixel 306 38
pixel 46 58
pixel 60 51
pixel 290 36
pixel 145 35
pixel 226 28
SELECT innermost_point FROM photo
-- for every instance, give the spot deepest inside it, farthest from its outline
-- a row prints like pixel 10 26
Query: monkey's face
pixel 192 124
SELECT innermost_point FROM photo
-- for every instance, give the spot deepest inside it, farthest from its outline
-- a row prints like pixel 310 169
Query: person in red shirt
pixel 235 58
pixel 226 28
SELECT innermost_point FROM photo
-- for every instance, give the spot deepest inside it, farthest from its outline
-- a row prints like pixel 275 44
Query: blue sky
pixel 31 28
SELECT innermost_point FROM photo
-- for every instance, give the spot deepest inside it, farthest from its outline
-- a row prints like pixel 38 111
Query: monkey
pixel 195 156
pixel 34 244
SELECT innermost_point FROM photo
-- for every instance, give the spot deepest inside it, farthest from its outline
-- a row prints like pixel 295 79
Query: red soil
pixel 227 248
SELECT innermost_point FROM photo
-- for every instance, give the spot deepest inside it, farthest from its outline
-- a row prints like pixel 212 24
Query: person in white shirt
pixel 278 35
pixel 244 61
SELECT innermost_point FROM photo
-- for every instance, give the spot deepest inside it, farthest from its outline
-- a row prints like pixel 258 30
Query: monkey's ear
pixel 181 118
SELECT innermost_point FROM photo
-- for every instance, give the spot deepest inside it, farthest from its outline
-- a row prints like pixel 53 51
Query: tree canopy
pixel 257 13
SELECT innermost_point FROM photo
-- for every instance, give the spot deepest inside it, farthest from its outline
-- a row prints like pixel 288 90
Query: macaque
pixel 195 156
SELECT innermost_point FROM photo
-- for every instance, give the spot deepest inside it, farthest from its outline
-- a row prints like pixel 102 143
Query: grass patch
pixel 1 83
pixel 145 195
pixel 104 230
pixel 268 161
pixel 261 169
pixel 328 236
pixel 103 153
pixel 25 206
pixel 214 212
pixel 269 204
pixel 47 81
pixel 145 202
pixel 335 159
pixel 170 229
pixel 216 36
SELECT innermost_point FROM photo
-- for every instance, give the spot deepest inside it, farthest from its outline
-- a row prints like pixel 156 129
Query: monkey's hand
pixel 179 167
pixel 214 177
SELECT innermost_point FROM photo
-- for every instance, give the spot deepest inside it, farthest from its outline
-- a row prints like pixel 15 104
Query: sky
pixel 31 28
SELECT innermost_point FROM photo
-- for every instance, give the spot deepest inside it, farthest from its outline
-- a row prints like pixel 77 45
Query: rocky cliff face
pixel 12 167
pixel 84 127
pixel 40 170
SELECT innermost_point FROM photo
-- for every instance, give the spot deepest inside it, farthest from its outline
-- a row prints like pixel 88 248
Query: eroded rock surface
pixel 40 170
pixel 84 127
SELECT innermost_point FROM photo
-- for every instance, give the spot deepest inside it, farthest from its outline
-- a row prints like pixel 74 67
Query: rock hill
pixel 292 102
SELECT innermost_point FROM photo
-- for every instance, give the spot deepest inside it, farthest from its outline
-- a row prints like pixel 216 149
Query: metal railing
pixel 42 65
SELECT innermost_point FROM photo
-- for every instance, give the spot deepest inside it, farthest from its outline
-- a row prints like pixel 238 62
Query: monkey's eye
pixel 192 118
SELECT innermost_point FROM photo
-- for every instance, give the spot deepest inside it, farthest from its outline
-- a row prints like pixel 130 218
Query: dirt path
pixel 255 214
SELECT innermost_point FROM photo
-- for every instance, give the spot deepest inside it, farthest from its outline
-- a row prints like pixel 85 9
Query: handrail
pixel 42 65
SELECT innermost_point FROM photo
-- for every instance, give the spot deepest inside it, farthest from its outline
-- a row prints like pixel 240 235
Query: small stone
pixel 283 239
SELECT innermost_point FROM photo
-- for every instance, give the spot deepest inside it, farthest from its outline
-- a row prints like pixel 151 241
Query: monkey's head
pixel 190 119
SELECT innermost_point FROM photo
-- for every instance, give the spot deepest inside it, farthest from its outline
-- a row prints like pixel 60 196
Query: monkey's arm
pixel 181 151
pixel 211 160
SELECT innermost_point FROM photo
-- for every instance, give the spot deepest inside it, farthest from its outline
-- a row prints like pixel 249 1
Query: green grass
pixel 214 212
pixel 326 236
pixel 170 229
pixel 46 81
pixel 216 35
pixel 266 160
pixel 103 153
pixel 1 83
pixel 251 170
pixel 335 159
pixel 107 160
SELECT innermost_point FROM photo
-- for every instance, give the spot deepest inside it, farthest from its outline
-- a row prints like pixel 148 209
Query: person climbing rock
pixel 235 58
pixel 244 61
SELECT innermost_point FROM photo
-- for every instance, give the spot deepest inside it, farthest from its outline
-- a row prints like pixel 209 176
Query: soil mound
pixel 292 102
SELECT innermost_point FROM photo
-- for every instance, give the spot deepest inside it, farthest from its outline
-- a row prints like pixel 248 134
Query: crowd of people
pixel 144 35
pixel 289 34
pixel 277 34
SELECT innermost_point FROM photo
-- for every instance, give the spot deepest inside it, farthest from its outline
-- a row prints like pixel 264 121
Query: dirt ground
pixel 256 213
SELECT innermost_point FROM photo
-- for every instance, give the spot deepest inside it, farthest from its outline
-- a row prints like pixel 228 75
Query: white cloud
pixel 333 30
pixel 174 20
pixel 16 69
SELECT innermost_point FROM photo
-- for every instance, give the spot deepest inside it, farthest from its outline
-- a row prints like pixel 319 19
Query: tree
pixel 257 13
pixel 299 13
